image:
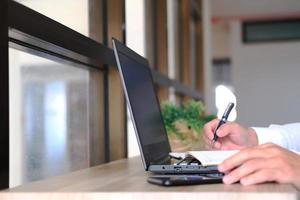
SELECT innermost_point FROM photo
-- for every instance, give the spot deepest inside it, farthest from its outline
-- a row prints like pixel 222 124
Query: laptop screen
pixel 144 106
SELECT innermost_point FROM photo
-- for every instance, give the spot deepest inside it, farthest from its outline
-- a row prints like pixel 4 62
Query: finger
pixel 241 157
pixel 268 145
pixel 260 176
pixel 208 144
pixel 207 138
pixel 225 147
pixel 210 127
pixel 227 128
pixel 244 170
pixel 217 145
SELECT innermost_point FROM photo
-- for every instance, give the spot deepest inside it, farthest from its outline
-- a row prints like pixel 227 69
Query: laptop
pixel 146 115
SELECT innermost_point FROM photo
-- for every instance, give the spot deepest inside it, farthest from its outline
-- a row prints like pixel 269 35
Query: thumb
pixel 221 133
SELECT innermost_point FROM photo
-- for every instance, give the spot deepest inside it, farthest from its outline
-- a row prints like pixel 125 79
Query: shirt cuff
pixel 265 135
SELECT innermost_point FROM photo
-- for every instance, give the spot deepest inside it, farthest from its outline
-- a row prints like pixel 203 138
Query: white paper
pixel 208 158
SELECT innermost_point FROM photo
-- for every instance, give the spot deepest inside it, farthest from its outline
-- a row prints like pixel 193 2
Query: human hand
pixel 263 163
pixel 231 136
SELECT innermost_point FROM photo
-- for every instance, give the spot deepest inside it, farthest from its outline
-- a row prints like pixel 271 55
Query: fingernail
pixel 221 168
pixel 227 179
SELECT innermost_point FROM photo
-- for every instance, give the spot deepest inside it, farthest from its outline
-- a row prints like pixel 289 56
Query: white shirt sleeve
pixel 287 136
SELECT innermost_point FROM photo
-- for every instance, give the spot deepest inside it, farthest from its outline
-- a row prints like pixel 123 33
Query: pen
pixel 222 121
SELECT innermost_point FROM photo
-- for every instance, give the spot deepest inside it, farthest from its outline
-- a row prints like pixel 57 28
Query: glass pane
pixel 72 13
pixel 56 117
pixel 272 30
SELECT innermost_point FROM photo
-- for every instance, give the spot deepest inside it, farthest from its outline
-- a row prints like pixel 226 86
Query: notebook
pixel 206 158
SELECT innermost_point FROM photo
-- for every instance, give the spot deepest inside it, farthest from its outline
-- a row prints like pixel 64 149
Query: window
pixel 62 99
pixel 264 31
pixel 54 94
pixel 174 47
pixel 52 105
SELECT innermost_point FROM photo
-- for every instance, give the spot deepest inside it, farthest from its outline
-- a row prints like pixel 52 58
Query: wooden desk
pixel 126 179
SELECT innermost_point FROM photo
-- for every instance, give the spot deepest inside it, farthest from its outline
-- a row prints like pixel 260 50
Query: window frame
pixel 157 44
pixel 28 30
pixel 4 100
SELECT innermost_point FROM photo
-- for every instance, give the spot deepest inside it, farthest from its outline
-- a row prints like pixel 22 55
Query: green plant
pixel 190 113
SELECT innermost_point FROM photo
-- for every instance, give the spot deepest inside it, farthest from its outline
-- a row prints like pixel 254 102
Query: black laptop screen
pixel 145 109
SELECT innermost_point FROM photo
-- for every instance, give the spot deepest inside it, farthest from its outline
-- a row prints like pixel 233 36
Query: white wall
pixel 254 8
pixel 220 40
pixel 73 14
pixel 266 79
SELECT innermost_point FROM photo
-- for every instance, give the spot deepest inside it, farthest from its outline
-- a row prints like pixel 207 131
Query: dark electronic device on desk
pixel 147 120
pixel 185 179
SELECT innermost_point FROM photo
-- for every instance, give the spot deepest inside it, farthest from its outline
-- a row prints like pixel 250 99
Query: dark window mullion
pixel 106 84
pixel 4 100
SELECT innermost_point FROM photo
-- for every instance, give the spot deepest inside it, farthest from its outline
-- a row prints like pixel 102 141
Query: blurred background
pixel 243 51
